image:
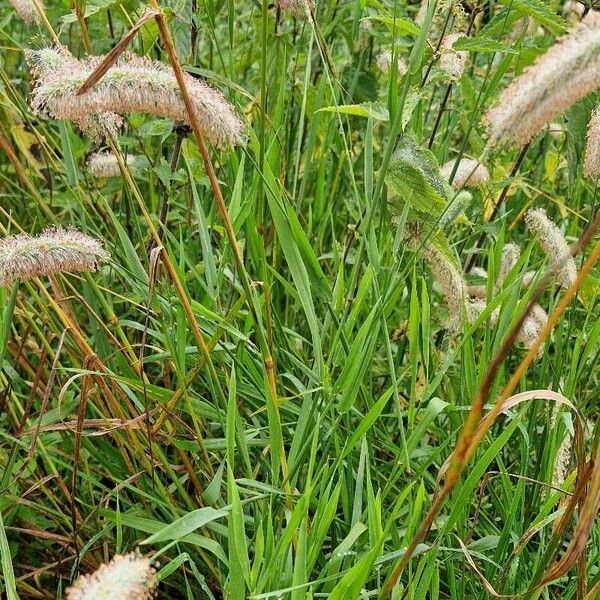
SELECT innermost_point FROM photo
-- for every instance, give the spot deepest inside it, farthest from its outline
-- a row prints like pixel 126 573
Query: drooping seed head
pixel 26 9
pixel 105 164
pixel 591 163
pixel 126 577
pixel 452 61
pixel 447 275
pixel 567 72
pixel 384 62
pixel 55 250
pixel 554 245
pixel 469 173
pixel 132 84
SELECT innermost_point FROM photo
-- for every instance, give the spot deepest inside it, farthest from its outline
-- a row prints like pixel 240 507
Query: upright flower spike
pixel 469 173
pixel 26 9
pixel 567 72
pixel 129 576
pixel 453 61
pixel 591 163
pixel 55 250
pixel 510 255
pixel 553 244
pixel 384 62
pixel 132 84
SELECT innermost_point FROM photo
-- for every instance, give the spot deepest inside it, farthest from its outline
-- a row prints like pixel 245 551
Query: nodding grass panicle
pixel 447 275
pixel 296 8
pixel 104 164
pixel 26 9
pixel 55 250
pixel 567 72
pixel 591 163
pixel 452 61
pixel 554 245
pixel 128 576
pixel 384 62
pixel 469 173
pixel 132 84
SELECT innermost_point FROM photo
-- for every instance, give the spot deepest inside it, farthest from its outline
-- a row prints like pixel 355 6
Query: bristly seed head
pixel 125 577
pixel 553 244
pixel 132 84
pixel 26 9
pixel 105 164
pixel 591 163
pixel 296 8
pixel 55 250
pixel 384 62
pixel 469 173
pixel 510 255
pixel 567 72
pixel 453 61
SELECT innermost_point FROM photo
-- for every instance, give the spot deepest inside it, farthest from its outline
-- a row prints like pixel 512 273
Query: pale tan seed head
pixel 55 250
pixel 125 577
pixel 384 62
pixel 469 173
pixel 452 61
pixel 591 163
pixel 296 8
pixel 132 84
pixel 567 72
pixel 104 164
pixel 510 255
pixel 554 245
pixel 26 9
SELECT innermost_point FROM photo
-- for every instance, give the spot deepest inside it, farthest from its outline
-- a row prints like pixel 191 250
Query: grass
pixel 265 404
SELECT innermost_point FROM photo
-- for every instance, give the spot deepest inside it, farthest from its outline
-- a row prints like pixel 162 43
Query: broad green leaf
pixel 481 43
pixel 375 110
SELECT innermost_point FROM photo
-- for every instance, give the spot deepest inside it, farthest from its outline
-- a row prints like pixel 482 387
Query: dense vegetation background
pixel 295 455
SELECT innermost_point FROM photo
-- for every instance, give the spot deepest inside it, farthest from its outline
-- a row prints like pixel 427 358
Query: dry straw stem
pixel 131 84
pixel 567 72
pixel 553 244
pixel 469 173
pixel 452 61
pixel 591 163
pixel 224 213
pixel 128 576
pixel 27 9
pixel 471 435
pixel 55 250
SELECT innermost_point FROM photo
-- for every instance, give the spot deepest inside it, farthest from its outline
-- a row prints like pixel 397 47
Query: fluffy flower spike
pixel 26 9
pixel 55 250
pixel 567 72
pixel 553 244
pixel 132 84
pixel 591 163
pixel 126 577
pixel 104 164
pixel 384 62
pixel 296 8
pixel 453 61
pixel 469 173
